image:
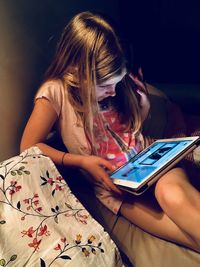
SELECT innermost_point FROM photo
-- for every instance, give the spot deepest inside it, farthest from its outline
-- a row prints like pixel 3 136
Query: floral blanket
pixel 42 223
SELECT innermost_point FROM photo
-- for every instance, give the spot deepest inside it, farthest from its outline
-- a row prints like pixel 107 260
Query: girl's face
pixel 107 88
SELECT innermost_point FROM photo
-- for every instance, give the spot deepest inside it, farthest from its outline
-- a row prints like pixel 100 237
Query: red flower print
pixel 59 178
pixel 36 202
pixel 39 209
pixel 58 187
pixel 11 192
pixel 14 187
pixel 43 231
pixel 58 247
pixel 35 243
pixel 29 232
pixel 63 239
pixel 17 188
pixel 26 201
pixel 50 181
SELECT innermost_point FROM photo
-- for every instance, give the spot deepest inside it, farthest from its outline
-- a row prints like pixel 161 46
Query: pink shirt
pixel 113 142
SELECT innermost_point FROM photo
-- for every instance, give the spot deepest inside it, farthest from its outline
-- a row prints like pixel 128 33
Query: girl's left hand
pixel 138 80
pixel 142 91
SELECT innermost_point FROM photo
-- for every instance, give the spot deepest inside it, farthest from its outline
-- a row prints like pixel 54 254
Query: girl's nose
pixel 111 90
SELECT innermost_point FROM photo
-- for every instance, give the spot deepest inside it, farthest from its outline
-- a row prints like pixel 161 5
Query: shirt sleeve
pixel 52 91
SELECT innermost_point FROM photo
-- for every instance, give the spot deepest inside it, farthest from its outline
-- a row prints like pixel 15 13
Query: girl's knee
pixel 175 175
pixel 170 193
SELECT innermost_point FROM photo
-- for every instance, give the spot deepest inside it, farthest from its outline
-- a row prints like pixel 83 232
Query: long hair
pixel 89 52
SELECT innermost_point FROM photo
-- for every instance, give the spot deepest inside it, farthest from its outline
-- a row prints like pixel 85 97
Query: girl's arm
pixel 37 129
pixel 39 126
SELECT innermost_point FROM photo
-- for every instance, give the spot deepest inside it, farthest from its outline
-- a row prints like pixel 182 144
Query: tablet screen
pixel 150 160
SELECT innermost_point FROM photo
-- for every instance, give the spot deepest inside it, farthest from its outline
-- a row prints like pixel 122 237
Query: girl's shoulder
pixel 51 85
pixel 54 89
pixel 55 92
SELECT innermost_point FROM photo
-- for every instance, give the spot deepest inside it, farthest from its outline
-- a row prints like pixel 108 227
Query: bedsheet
pixel 42 223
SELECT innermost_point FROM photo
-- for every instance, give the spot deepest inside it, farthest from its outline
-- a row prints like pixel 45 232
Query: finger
pixel 144 101
pixel 101 183
pixel 105 180
pixel 137 81
pixel 141 93
pixel 112 186
pixel 106 164
pixel 140 73
pixel 108 183
pixel 131 76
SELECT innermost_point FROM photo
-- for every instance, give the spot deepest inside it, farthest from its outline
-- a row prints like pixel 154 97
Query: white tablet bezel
pixel 140 187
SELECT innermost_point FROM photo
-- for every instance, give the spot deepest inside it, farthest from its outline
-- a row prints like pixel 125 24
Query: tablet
pixel 144 169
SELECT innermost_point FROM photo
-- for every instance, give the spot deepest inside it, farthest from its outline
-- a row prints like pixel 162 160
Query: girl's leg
pixel 181 202
pixel 179 219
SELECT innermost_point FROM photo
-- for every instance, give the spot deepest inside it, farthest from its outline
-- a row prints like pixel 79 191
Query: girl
pixel 98 110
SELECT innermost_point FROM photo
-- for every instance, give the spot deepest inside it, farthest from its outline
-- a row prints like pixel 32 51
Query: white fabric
pixel 41 221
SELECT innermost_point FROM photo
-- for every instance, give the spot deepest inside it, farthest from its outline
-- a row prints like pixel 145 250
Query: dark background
pixel 164 35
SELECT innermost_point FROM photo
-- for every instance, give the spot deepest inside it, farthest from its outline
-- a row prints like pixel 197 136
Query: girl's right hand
pixel 97 167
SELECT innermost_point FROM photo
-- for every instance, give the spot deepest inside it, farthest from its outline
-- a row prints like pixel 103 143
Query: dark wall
pixel 29 30
pixel 165 38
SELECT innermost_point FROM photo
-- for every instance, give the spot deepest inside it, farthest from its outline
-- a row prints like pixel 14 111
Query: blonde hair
pixel 89 52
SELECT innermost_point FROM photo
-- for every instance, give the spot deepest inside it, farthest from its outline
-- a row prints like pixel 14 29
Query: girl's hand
pixel 144 104
pixel 97 167
pixel 138 80
pixel 142 91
